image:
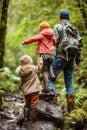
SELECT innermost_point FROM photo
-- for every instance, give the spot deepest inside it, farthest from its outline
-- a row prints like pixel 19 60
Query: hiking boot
pixel 33 114
pixel 70 102
pixel 26 113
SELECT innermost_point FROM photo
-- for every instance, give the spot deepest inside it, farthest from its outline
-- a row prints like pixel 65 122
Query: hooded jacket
pixel 28 72
pixel 46 41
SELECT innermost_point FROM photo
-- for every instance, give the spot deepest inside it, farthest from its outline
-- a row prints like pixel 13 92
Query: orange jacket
pixel 46 41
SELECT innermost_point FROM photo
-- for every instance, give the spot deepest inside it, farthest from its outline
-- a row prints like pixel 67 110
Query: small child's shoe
pixel 47 88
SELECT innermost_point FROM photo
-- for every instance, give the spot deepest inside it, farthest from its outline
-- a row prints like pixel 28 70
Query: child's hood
pixel 48 32
pixel 26 59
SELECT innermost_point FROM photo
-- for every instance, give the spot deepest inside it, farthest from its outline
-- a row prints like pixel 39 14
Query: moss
pixel 1 95
pixel 84 106
pixel 77 116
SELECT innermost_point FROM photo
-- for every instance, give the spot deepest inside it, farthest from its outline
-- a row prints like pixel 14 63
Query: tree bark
pixel 0 8
pixel 82 4
pixel 3 27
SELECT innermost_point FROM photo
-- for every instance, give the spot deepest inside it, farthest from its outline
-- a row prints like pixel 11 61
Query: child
pixel 30 85
pixel 45 49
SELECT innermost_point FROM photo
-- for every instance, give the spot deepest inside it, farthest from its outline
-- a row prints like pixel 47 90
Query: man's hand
pixel 76 67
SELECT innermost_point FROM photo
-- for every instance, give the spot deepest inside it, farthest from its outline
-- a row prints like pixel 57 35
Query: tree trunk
pixel 82 4
pixel 3 26
pixel 0 8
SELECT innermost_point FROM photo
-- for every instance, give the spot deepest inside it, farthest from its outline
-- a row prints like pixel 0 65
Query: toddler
pixel 30 85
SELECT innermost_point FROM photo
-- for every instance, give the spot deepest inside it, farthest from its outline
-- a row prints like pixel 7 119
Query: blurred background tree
pixel 24 18
pixel 3 26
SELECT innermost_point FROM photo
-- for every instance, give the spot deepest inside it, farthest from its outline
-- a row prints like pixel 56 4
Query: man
pixel 62 63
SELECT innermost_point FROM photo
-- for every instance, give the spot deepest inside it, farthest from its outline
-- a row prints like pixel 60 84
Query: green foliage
pixel 84 106
pixel 8 81
pixel 24 18
pixel 81 96
pixel 82 73
pixel 1 96
pixel 82 79
pixel 76 117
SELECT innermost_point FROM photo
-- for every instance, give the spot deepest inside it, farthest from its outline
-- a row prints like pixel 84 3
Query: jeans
pixel 58 65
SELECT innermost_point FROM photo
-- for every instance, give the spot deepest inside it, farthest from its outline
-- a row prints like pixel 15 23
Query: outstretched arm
pixel 36 38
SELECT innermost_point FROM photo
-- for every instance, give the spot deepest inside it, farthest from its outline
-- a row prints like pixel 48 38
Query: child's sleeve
pixel 33 39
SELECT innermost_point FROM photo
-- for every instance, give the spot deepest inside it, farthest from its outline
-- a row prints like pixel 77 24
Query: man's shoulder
pixel 58 26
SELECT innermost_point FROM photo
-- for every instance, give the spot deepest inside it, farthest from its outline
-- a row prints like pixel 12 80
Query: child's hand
pixel 23 43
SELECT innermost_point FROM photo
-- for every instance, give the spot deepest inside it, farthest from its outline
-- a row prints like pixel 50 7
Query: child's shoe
pixel 47 88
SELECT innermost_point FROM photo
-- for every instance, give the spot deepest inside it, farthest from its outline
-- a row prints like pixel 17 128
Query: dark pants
pixel 47 67
pixel 59 64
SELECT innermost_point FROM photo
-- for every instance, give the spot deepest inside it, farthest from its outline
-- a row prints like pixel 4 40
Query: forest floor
pixel 12 110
